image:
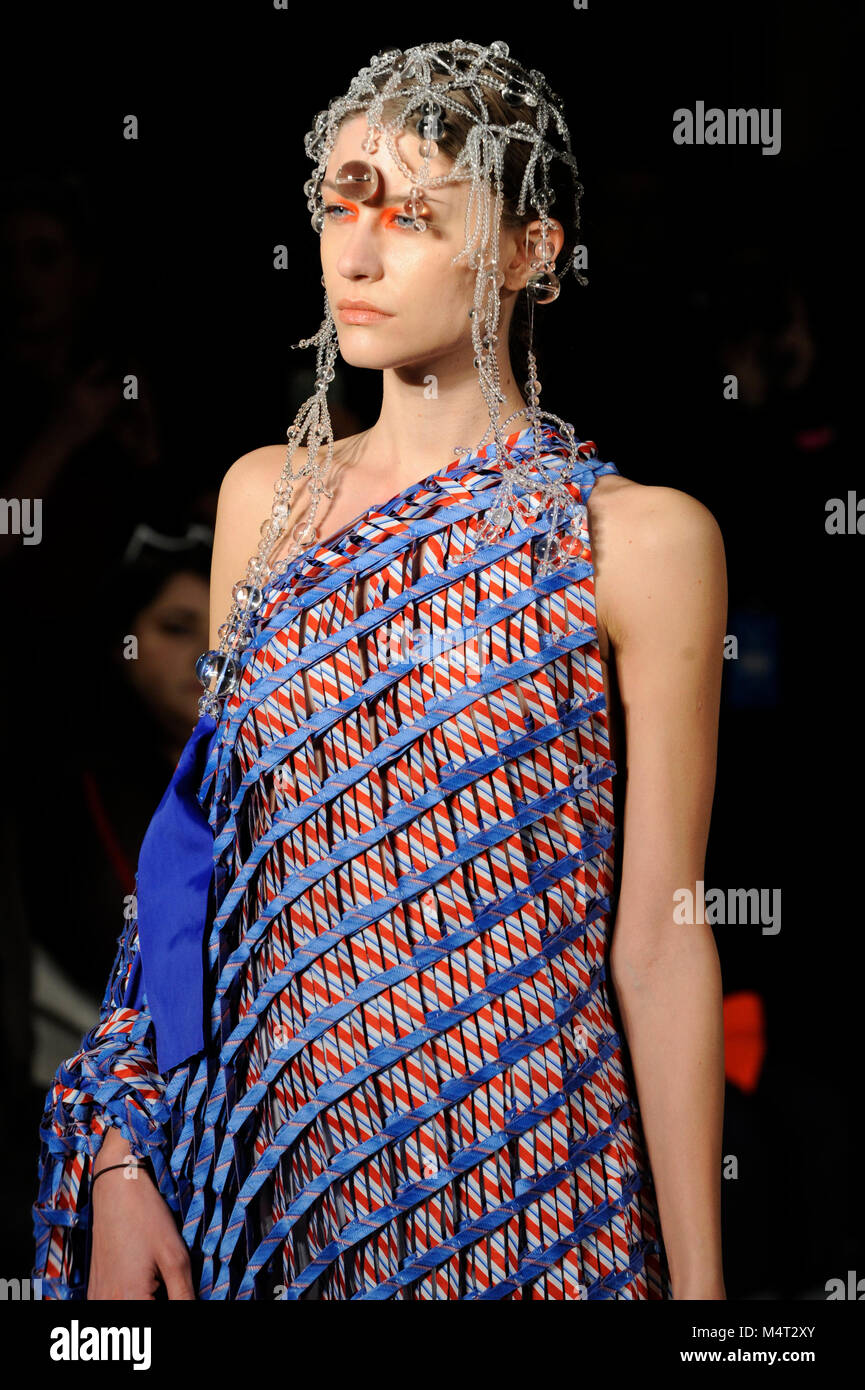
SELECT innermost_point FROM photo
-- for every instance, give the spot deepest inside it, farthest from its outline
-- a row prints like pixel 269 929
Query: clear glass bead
pixel 430 128
pixel 514 91
pixel 489 534
pixel 414 205
pixel 543 287
pixel 247 596
pixel 218 671
pixel 227 676
pixel 204 667
pixel 357 180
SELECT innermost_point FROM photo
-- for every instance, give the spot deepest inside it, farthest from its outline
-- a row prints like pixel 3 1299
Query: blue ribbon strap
pixel 175 867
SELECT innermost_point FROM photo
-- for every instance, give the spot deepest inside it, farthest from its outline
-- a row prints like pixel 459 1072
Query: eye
pixel 390 217
pixel 404 220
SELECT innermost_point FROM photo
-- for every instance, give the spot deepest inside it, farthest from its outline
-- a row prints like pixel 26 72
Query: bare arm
pixel 245 499
pixel 665 608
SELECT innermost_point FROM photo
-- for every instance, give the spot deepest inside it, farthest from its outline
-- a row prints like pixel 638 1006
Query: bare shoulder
pixel 648 539
pixel 650 515
pixel 254 468
pixel 253 476
pixel 246 497
pixel 247 492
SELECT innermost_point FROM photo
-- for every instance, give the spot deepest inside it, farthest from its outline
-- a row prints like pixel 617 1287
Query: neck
pixel 427 410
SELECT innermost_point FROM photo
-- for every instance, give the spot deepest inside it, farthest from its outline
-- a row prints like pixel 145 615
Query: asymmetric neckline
pixel 513 440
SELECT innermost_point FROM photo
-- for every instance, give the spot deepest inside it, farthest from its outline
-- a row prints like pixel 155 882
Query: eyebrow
pixel 394 198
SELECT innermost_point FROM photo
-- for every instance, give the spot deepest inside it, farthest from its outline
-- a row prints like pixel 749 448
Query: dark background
pixel 702 260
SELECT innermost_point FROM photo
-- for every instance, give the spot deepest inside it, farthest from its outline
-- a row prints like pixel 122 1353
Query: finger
pixel 177 1276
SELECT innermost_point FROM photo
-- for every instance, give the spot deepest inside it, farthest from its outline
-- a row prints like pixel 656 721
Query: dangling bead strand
pixel 219 670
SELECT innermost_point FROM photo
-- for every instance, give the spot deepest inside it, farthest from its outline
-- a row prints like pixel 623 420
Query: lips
pixel 361 312
pixel 362 304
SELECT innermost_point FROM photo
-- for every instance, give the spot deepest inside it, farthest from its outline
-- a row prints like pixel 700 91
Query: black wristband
pixel 132 1162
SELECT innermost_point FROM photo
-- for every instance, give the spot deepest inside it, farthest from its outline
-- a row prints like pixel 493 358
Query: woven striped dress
pixel 414 1086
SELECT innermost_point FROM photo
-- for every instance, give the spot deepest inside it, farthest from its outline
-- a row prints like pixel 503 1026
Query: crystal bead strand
pixel 219 669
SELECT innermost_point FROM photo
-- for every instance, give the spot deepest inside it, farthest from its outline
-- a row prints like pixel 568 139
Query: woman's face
pixel 172 631
pixel 370 251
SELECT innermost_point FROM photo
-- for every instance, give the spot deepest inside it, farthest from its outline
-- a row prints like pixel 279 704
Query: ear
pixel 521 244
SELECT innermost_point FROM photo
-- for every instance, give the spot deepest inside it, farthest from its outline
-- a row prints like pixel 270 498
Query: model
pixel 393 985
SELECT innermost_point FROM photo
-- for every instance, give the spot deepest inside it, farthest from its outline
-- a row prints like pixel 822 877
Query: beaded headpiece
pixel 422 83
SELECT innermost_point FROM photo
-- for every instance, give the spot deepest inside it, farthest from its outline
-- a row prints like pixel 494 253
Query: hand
pixel 135 1240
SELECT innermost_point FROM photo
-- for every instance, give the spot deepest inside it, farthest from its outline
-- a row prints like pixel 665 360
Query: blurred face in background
pixel 172 632
pixel 45 280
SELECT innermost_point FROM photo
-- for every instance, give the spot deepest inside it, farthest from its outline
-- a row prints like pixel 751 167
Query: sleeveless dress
pixel 411 1084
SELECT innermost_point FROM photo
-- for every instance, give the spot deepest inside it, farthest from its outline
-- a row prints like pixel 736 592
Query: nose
pixel 359 256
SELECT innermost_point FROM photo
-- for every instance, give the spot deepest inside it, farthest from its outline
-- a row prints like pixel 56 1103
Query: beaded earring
pixel 543 287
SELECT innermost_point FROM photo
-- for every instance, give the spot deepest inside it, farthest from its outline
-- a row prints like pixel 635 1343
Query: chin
pixel 369 357
pixel 373 358
pixel 378 357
